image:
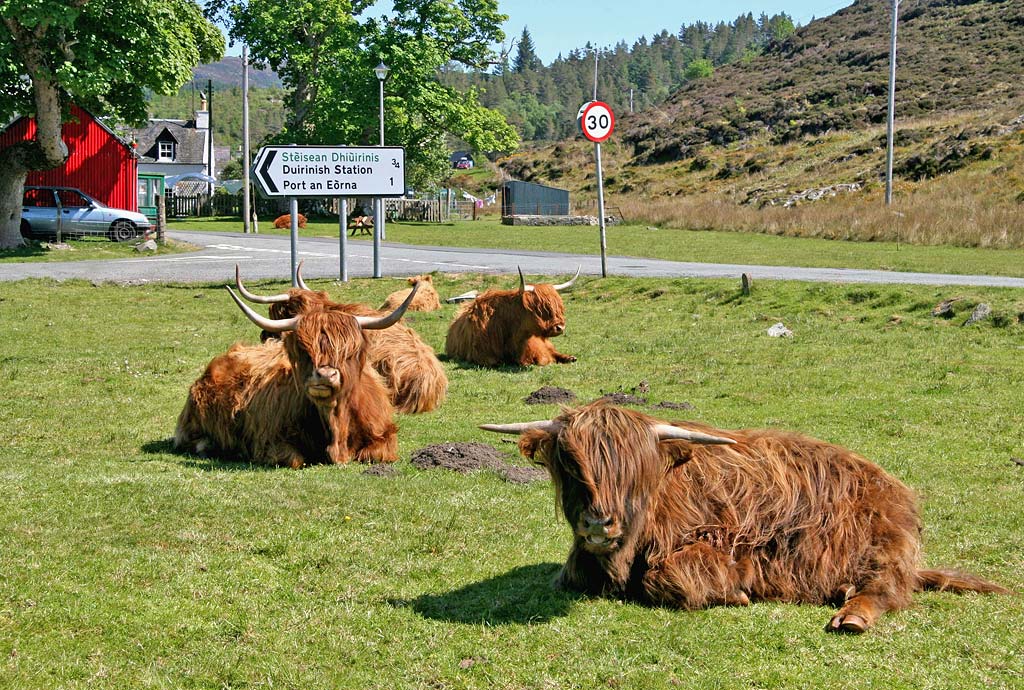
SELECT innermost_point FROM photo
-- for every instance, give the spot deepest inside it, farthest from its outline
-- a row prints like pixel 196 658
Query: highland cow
pixel 310 397
pixel 427 298
pixel 510 326
pixel 415 379
pixel 688 516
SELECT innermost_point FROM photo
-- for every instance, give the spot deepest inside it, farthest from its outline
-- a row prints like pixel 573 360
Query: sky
pixel 558 26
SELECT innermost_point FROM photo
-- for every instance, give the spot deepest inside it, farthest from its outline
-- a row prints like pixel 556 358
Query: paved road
pixel 269 256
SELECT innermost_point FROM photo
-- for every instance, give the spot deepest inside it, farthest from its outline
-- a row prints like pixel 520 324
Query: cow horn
pixel 379 322
pixel 523 287
pixel 254 298
pixel 298 278
pixel 546 425
pixel 464 297
pixel 270 325
pixel 667 432
pixel 568 284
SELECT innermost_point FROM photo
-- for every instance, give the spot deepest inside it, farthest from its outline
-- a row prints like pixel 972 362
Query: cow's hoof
pixel 847 623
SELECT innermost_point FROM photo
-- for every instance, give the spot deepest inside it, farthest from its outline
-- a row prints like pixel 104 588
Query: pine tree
pixel 526 59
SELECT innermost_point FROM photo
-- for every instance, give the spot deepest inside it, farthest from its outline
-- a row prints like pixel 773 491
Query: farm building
pixel 527 198
pixel 99 163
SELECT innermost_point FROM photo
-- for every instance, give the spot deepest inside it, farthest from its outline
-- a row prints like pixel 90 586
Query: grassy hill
pixel 792 141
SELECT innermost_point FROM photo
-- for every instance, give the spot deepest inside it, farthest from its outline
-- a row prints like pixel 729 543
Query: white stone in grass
pixel 779 331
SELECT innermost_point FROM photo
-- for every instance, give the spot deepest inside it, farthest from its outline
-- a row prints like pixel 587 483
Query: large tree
pixel 325 52
pixel 100 54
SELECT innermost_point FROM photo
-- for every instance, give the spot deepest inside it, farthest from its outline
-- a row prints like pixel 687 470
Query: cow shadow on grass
pixel 165 446
pixel 521 596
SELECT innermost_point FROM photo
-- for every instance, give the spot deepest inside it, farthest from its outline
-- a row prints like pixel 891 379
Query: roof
pixel 77 111
pixel 191 142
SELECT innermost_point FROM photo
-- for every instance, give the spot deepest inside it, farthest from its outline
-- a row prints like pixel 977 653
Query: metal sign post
pixel 597 122
pixel 330 171
pixel 342 239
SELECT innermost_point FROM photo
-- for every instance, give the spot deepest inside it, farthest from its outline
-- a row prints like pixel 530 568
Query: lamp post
pixel 381 71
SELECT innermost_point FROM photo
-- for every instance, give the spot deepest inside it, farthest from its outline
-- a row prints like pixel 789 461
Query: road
pixel 269 256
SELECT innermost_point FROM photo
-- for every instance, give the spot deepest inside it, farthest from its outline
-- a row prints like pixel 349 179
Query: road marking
pixel 184 259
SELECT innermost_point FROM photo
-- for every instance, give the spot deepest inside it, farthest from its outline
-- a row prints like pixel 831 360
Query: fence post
pixel 161 218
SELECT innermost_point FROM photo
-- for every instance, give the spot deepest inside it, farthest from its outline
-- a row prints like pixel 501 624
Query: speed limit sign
pixel 596 121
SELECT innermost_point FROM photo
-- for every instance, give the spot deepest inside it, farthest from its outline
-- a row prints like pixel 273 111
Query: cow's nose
pixel 596 520
pixel 559 329
pixel 329 374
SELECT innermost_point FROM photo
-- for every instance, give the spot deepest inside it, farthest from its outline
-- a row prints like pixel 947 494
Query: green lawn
pixel 86 248
pixel 676 245
pixel 126 565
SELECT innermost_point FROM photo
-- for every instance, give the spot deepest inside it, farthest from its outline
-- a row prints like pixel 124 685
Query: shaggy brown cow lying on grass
pixel 427 298
pixel 414 377
pixel 689 516
pixel 510 326
pixel 310 397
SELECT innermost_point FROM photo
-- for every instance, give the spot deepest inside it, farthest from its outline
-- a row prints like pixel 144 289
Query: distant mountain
pixel 228 72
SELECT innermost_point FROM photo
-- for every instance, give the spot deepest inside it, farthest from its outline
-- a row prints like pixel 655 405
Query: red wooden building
pixel 99 163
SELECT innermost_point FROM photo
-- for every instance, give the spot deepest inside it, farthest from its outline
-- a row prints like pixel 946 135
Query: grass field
pixel 676 245
pixel 86 248
pixel 126 565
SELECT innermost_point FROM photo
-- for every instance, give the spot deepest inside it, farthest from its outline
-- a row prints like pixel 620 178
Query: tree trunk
pixel 46 152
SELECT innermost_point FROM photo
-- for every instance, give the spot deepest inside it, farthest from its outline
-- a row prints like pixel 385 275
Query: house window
pixel 166 151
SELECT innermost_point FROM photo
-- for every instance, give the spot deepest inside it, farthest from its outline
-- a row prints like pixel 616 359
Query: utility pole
pixel 892 104
pixel 246 219
pixel 210 168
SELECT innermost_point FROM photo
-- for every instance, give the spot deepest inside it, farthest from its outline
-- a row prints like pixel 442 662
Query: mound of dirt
pixel 620 398
pixel 458 457
pixel 549 395
pixel 669 405
pixel 469 457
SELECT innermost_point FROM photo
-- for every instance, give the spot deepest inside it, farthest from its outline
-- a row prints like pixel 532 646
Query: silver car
pixel 45 210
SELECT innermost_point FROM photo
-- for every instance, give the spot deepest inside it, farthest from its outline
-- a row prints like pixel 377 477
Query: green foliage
pixel 126 565
pixel 103 54
pixel 526 59
pixel 325 53
pixel 699 69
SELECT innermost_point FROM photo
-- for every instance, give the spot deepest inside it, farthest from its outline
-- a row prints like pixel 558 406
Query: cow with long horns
pixel 310 397
pixel 510 326
pixel 415 379
pixel 687 516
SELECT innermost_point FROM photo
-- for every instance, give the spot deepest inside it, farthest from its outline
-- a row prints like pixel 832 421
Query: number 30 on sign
pixel 596 121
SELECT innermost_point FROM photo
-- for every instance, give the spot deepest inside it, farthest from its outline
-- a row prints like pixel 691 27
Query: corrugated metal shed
pixel 527 198
pixel 99 162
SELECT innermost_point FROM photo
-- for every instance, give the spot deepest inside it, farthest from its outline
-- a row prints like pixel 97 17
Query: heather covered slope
pixel 793 141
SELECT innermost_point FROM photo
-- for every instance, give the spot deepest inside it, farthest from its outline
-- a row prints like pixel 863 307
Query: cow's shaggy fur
pixel 776 516
pixel 426 298
pixel 509 327
pixel 308 398
pixel 414 377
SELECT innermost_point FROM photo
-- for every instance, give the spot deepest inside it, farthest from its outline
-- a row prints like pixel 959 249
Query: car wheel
pixel 122 231
pixel 26 230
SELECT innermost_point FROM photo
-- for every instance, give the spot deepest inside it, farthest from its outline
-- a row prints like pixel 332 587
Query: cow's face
pixel 328 351
pixel 606 464
pixel 605 467
pixel 544 307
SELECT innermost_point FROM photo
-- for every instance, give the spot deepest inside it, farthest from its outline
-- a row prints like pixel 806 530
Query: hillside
pixel 228 72
pixel 805 119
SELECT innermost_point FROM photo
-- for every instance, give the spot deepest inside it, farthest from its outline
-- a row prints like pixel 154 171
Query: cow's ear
pixel 675 452
pixel 532 442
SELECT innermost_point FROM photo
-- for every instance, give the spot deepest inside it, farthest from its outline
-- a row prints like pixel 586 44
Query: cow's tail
pixel 956 581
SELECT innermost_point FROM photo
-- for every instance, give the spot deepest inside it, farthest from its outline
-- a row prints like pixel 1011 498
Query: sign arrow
pixel 268 181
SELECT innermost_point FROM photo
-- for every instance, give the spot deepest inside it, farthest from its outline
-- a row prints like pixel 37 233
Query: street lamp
pixel 381 71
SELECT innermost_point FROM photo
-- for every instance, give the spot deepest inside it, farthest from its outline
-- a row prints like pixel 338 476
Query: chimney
pixel 203 114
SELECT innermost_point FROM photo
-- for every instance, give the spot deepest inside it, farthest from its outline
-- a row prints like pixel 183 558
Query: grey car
pixel 45 210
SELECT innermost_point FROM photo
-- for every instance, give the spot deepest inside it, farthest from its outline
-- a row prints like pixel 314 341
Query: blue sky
pixel 558 26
